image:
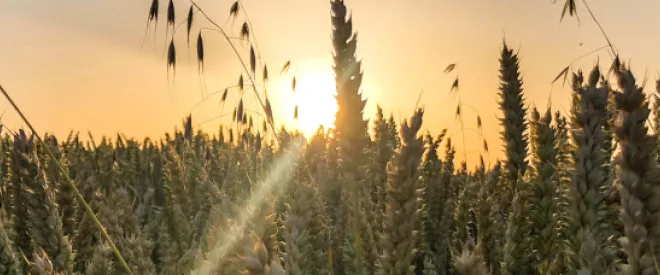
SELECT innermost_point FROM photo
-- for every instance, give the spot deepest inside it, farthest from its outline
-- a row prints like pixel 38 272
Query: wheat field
pixel 576 193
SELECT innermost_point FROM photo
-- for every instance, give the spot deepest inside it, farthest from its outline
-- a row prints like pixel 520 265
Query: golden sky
pixel 79 65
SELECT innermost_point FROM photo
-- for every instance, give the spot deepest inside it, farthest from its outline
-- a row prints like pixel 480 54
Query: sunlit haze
pixel 81 65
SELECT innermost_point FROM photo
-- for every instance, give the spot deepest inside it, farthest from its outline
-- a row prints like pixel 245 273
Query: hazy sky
pixel 78 64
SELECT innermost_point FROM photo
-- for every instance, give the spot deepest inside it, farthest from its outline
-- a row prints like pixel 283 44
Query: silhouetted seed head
pixel 233 117
pixel 293 84
pixel 240 83
pixel 189 21
pixel 570 7
pixel 244 121
pixel 295 113
pixel 253 60
pixel 286 66
pixel 454 86
pixel 171 55
pixel 245 31
pixel 153 11
pixel 224 95
pixel 200 49
pixel 485 146
pixel 478 121
pixel 170 13
pixel 450 68
pixel 239 112
pixel 264 126
pixel 233 11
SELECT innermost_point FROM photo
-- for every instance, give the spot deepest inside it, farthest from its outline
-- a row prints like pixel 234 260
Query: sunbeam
pixel 275 184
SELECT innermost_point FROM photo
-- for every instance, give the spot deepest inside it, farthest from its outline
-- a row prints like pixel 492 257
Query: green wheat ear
pixel 516 256
pixel 638 177
pixel 399 236
pixel 587 227
pixel 544 187
pixel 9 262
pixel 514 123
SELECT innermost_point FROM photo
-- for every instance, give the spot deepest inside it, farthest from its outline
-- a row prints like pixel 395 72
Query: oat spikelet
pixel 189 22
pixel 253 60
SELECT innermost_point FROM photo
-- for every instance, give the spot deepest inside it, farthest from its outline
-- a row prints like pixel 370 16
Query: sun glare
pixel 314 96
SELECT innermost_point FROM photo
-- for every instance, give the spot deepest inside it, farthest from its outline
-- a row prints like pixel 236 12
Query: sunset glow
pixel 98 64
pixel 314 96
pixel 347 137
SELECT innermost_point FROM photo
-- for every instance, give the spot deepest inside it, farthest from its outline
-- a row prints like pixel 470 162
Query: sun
pixel 315 97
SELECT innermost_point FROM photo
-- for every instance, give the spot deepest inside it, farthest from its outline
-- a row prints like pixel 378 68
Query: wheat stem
pixel 609 43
